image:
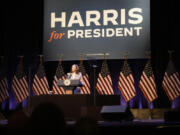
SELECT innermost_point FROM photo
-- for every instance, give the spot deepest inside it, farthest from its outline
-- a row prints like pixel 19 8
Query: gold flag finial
pixel 81 58
pixel 41 58
pixel 20 58
pixel 148 53
pixel 2 59
pixel 60 55
pixel 126 54
pixel 170 54
pixel 105 56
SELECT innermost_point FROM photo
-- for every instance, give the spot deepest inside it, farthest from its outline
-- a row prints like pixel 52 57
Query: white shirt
pixel 75 76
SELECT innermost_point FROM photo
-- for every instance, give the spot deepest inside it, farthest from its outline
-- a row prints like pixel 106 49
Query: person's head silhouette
pixel 87 126
pixel 47 118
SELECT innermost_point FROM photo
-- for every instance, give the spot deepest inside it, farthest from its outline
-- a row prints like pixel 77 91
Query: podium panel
pixel 69 85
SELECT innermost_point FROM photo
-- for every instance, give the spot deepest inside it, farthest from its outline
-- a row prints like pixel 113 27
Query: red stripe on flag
pixel 150 89
pixel 38 83
pixel 168 88
pixel 127 85
pixel 102 83
pixel 145 90
pixel 124 89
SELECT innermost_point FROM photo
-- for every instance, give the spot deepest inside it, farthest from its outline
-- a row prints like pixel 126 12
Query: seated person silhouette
pixel 47 118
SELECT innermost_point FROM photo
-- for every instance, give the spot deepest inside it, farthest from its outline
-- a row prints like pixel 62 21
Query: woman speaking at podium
pixel 75 75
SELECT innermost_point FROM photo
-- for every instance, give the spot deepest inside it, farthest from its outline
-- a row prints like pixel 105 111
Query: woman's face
pixel 74 68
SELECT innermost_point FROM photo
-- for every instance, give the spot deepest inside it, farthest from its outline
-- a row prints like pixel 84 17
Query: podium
pixel 69 85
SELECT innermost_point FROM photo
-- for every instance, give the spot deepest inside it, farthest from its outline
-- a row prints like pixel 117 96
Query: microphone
pixel 68 75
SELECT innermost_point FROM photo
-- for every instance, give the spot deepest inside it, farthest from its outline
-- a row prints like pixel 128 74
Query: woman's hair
pixel 77 68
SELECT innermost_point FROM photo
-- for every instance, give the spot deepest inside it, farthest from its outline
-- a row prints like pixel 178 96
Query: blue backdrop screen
pixel 73 28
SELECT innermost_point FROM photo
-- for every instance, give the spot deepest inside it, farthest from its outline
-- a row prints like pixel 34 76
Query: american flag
pixel 3 86
pixel 104 83
pixel 126 82
pixel 60 75
pixel 171 82
pixel 86 88
pixel 147 83
pixel 20 84
pixel 40 84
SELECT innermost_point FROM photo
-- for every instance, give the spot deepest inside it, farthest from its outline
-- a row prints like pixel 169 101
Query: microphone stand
pixel 92 63
pixel 94 83
pixel 29 89
pixel 94 57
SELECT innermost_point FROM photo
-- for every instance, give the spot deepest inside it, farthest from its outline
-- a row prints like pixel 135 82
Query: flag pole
pixel 148 53
pixel 94 84
pixel 29 89
pixel 1 62
pixel 59 63
pixel 2 59
pixel 126 53
pixel 81 62
pixel 20 61
pixel 41 59
pixel 29 74
pixel 81 58
pixel 60 60
pixel 170 54
pixel 60 57
pixel 170 59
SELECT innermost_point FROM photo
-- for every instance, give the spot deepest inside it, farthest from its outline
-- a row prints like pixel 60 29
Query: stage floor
pixel 140 127
pixel 158 123
pixel 136 122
